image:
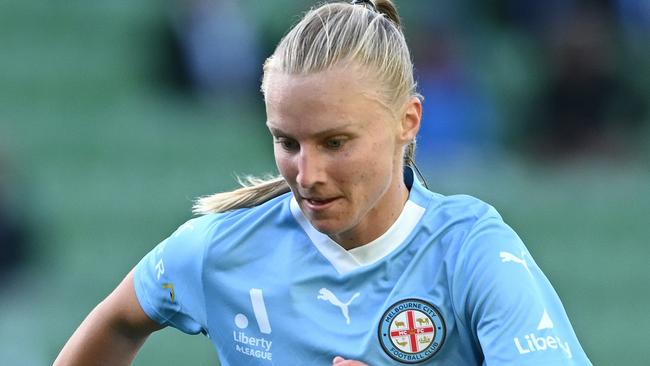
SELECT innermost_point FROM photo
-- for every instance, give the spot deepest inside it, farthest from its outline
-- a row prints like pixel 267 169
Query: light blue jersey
pixel 448 284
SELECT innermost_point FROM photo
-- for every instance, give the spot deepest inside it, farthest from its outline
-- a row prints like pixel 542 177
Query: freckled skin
pixel 337 144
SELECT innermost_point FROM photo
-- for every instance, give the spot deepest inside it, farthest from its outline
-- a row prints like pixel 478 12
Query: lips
pixel 318 204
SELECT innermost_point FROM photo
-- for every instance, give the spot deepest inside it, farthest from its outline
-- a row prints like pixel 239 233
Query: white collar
pixel 345 261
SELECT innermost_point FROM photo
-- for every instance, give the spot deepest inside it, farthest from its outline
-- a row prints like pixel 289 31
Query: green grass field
pixel 105 166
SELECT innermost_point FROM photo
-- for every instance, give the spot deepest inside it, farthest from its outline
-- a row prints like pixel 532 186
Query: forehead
pixel 323 100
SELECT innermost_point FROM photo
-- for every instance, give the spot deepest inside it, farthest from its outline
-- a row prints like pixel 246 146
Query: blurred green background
pixel 107 135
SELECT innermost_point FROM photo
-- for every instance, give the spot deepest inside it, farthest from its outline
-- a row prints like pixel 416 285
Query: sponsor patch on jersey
pixel 412 331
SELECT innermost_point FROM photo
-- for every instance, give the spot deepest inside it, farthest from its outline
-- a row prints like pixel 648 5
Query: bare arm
pixel 112 333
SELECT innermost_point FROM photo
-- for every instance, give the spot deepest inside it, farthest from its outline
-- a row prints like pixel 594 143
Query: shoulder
pixel 274 206
pixel 485 258
pixel 221 231
pixel 195 236
pixel 253 217
pixel 479 227
pixel 449 220
pixel 464 207
pixel 469 232
pixel 459 214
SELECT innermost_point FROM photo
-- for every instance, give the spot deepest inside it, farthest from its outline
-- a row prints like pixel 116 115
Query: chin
pixel 327 227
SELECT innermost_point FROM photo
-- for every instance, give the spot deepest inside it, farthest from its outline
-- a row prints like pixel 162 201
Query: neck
pixel 378 220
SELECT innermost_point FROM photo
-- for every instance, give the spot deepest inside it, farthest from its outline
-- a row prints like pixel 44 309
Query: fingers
pixel 340 361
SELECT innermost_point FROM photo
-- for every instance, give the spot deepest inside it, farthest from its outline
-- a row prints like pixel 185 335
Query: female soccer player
pixel 346 259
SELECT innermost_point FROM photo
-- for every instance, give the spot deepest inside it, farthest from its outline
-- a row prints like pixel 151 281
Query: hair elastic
pixel 364 2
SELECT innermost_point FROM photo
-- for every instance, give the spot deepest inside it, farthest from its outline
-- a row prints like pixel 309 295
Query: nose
pixel 311 168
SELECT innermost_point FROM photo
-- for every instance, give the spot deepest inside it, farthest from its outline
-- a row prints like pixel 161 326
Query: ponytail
pixel 387 8
pixel 253 192
pixel 409 154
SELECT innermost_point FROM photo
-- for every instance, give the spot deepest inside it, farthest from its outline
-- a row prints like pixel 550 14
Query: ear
pixel 410 124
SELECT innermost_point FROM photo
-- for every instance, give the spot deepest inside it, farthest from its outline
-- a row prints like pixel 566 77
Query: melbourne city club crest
pixel 412 331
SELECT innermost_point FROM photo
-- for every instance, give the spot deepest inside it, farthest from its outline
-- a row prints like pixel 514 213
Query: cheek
pixel 377 168
pixel 285 167
pixel 380 156
pixel 367 166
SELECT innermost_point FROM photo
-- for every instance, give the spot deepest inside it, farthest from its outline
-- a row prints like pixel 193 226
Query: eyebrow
pixel 330 131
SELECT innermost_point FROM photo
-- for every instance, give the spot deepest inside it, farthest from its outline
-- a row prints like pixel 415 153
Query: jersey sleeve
pixel 509 304
pixel 168 280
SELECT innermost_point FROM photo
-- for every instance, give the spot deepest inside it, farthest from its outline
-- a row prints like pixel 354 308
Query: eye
pixel 287 144
pixel 335 143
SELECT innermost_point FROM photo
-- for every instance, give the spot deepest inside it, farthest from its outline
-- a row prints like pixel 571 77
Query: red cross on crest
pixel 412 331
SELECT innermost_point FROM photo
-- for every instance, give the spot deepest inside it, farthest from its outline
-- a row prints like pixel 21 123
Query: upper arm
pixel 163 289
pixel 123 310
pixel 112 333
pixel 168 281
pixel 509 304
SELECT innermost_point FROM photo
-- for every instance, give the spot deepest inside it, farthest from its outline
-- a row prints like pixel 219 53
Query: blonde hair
pixel 366 34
